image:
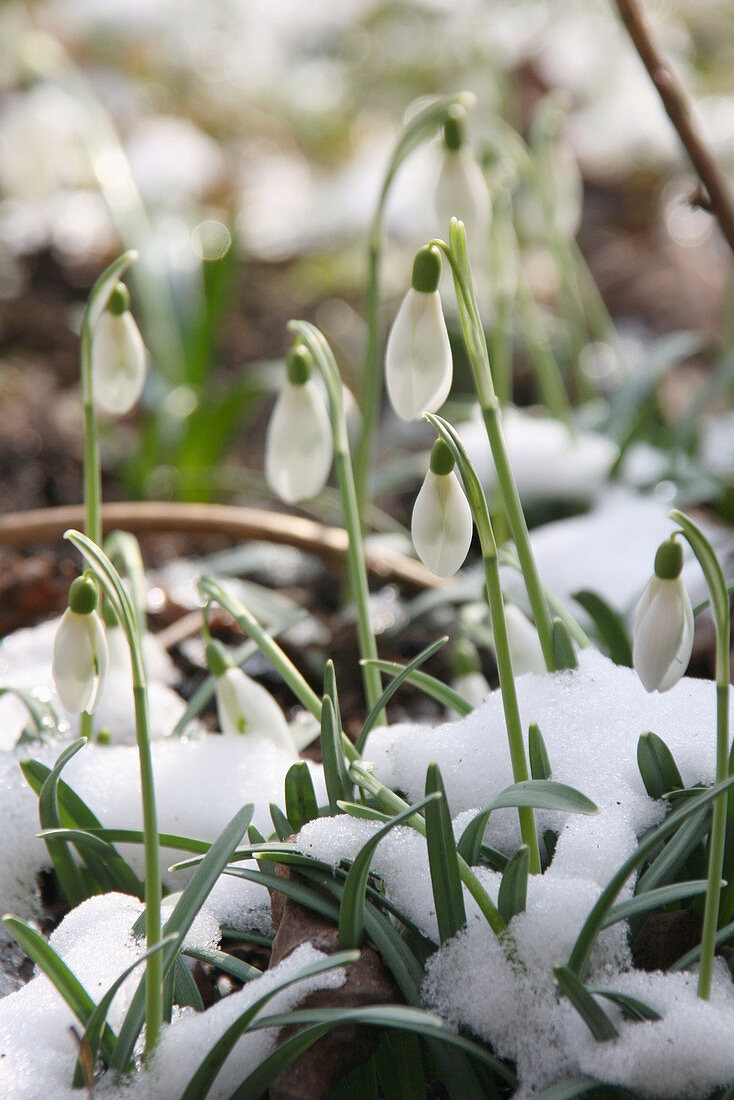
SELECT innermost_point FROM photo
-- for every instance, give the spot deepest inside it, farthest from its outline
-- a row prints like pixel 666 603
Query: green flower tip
pixel 217 658
pixel 83 596
pixel 669 560
pixel 119 302
pixel 426 270
pixel 464 658
pixel 442 460
pixel 454 129
pixel 298 365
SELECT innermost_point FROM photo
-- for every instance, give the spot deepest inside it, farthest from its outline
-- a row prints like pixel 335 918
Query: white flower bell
pixel 467 677
pixel 461 191
pixel 418 364
pixel 118 357
pixel 662 638
pixel 80 650
pixel 299 446
pixel 442 523
pixel 244 706
pixel 526 652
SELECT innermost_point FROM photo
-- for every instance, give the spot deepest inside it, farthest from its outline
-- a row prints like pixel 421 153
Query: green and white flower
pixel 80 650
pixel 662 638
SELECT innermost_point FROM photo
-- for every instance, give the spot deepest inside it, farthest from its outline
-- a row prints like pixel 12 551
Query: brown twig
pixel 678 109
pixel 47 524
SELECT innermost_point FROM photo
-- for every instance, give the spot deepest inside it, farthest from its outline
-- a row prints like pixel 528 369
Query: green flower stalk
pixel 101 294
pixel 480 512
pixel 320 353
pixel 476 347
pixel 719 597
pixel 109 581
pixel 421 127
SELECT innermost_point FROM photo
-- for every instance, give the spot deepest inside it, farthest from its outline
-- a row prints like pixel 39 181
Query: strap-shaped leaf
pixel 319 1021
pixel 657 766
pixel 537 753
pixel 300 798
pixel 352 907
pixel 513 892
pixel 202 1080
pixel 632 1008
pixel 724 935
pixel 429 685
pixel 184 912
pixel 542 794
pixel 448 897
pixel 593 1015
pixel 393 686
pixel 338 785
pixel 654 899
pixel 564 655
pixel 399 1063
pixel 282 825
pixel 48 815
pixel 222 960
pixel 92 1036
pixel 676 852
pixel 579 958
pixel 62 978
pixel 609 624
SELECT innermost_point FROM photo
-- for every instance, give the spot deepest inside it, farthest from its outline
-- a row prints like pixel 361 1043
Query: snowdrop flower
pixel 244 706
pixel 442 522
pixel 461 191
pixel 80 650
pixel 118 357
pixel 525 649
pixel 662 637
pixel 418 365
pixel 299 446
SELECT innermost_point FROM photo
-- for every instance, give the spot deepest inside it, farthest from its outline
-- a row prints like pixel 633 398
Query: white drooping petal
pixel 299 447
pixel 472 686
pixel 418 365
pixel 80 661
pixel 244 706
pixel 462 192
pixel 442 524
pixel 663 634
pixel 118 363
pixel 526 652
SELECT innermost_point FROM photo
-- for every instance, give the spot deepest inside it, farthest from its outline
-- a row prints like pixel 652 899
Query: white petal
pixel 661 632
pixel 244 706
pixel 418 365
pixel 525 648
pixel 680 661
pixel 442 524
pixel 79 661
pixel 118 363
pixel 299 447
pixel 472 686
pixel 462 192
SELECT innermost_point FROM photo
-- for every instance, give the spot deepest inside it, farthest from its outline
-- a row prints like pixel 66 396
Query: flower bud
pixel 244 706
pixel 418 364
pixel 118 357
pixel 299 446
pixel 526 652
pixel 442 523
pixel 80 657
pixel 461 191
pixel 662 637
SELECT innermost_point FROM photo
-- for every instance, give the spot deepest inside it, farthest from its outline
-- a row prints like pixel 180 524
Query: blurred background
pixel 240 146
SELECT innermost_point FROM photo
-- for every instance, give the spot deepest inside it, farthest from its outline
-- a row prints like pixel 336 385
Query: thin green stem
pixel 476 347
pixel 356 566
pixel 109 580
pixel 510 706
pixel 719 597
pixel 547 372
pixel 421 126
